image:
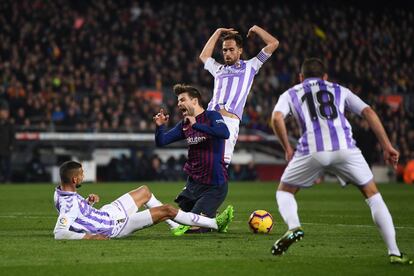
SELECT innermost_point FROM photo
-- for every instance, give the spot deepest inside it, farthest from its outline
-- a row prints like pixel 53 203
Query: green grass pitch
pixel 340 237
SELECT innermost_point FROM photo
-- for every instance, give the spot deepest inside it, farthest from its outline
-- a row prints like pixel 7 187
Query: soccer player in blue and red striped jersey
pixel 205 133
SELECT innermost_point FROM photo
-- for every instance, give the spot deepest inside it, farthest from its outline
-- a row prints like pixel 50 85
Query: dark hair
pixel 235 37
pixel 313 68
pixel 67 170
pixel 192 91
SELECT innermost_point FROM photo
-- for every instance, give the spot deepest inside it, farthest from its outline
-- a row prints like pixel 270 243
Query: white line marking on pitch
pixel 28 217
pixel 355 225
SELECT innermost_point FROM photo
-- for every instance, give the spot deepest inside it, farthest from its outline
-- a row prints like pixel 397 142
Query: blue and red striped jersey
pixel 205 140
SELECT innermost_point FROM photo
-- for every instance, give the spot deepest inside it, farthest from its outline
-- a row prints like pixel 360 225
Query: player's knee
pixel 145 191
pixel 369 189
pixel 287 188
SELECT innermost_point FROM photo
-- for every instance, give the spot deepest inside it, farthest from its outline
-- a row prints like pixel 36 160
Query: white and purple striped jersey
pixel 77 217
pixel 232 83
pixel 318 106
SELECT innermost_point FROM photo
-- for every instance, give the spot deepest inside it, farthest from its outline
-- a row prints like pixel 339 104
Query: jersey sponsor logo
pixel 220 121
pixel 227 72
pixel 195 140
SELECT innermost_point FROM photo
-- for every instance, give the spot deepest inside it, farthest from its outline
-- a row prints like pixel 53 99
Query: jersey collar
pixel 63 193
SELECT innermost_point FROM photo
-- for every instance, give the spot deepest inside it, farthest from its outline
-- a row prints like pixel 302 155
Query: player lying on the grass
pixel 79 220
pixel 326 144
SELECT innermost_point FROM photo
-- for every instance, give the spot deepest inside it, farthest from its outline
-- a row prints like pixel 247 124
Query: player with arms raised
pixel 327 145
pixel 233 80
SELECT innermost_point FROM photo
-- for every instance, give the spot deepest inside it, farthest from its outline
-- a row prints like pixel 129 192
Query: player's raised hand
pixel 226 30
pixel 161 118
pixel 92 199
pixel 251 31
pixel 391 156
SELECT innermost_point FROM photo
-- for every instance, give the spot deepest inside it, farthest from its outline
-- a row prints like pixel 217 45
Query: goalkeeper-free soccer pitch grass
pixel 340 237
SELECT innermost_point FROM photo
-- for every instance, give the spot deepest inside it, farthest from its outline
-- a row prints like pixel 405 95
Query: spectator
pixel 99 63
pixel 7 140
pixel 366 141
pixel 237 173
pixel 251 172
pixel 36 170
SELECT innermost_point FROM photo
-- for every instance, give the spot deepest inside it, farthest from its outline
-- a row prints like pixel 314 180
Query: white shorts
pixel 233 126
pixel 348 165
pixel 121 208
pixel 124 211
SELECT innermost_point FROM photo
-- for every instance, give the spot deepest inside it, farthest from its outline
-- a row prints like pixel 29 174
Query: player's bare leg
pixel 143 196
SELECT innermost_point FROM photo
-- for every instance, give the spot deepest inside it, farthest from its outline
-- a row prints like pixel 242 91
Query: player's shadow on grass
pixel 186 237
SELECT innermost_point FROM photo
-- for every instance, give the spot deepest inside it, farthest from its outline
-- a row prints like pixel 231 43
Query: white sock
pixel 288 208
pixel 154 202
pixel 383 220
pixel 195 220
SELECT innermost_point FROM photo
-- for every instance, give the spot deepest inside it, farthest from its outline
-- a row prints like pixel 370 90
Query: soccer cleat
pixel 282 244
pixel 180 230
pixel 402 259
pixel 223 220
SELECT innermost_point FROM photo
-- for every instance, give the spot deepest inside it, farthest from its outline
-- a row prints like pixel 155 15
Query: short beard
pixel 190 111
pixel 230 62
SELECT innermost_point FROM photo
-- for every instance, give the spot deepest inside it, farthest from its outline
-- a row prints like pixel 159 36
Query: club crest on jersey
pixel 195 140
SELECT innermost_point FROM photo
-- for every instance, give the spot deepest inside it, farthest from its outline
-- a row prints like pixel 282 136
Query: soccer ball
pixel 261 221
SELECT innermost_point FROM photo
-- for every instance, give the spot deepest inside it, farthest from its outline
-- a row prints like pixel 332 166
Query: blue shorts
pixel 202 199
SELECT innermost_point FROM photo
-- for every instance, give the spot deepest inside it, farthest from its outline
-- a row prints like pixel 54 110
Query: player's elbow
pixel 272 46
pixel 64 234
pixel 60 235
pixel 274 43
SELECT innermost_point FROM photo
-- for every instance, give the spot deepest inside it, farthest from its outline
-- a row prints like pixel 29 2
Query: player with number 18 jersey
pixel 319 107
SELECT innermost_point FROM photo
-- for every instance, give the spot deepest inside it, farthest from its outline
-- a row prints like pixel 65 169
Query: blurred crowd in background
pixel 85 65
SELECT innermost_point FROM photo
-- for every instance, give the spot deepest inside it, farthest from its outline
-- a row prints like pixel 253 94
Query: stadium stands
pixel 88 66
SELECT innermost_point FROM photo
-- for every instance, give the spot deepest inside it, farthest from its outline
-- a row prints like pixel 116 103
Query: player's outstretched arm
pixel 211 43
pixel 163 138
pixel 95 237
pixel 391 155
pixel 279 128
pixel 271 42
